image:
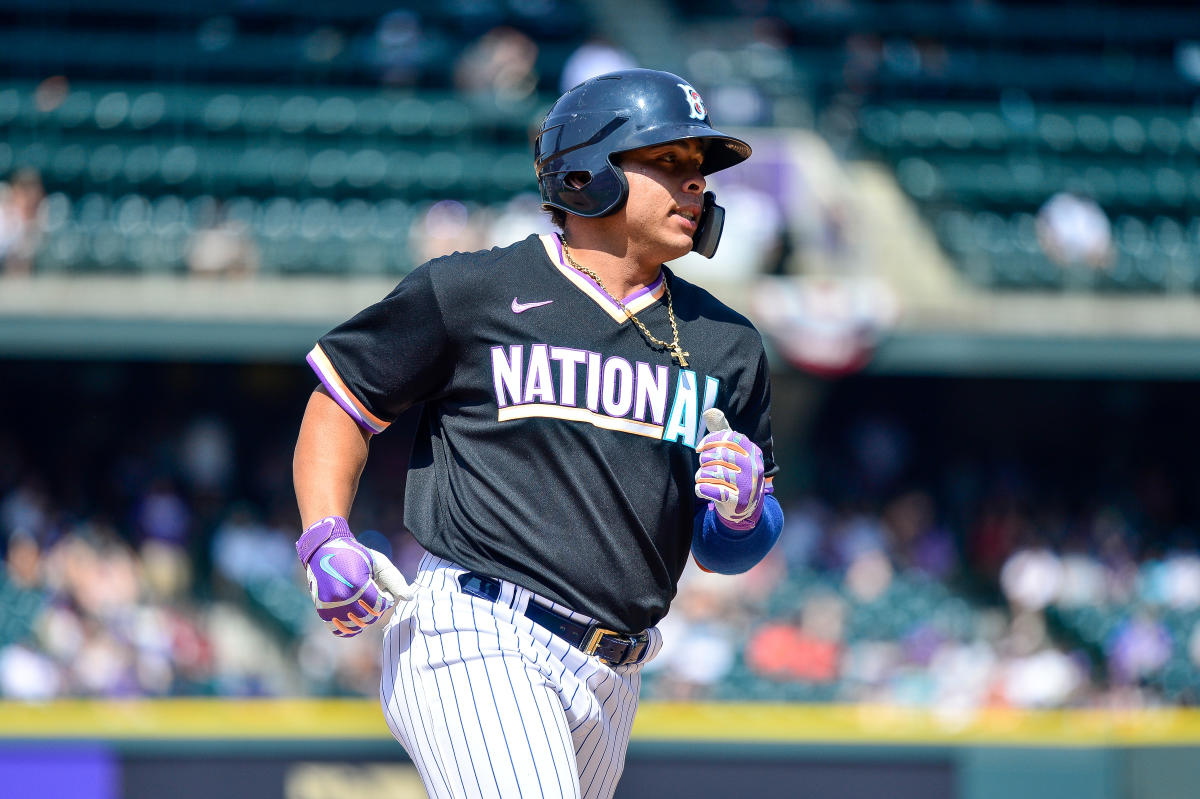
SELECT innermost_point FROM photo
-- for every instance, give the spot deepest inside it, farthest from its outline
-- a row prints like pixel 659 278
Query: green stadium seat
pixel 1134 186
pixel 260 112
pixel 449 117
pixel 440 171
pixel 289 166
pixel 327 168
pixel 402 169
pixel 919 178
pixel 371 115
pixel 10 106
pixel 111 110
pixel 392 220
pixel 1169 186
pixel 365 169
pixel 918 128
pixel 1165 134
pixel 1093 132
pixel 1128 134
pixel 131 215
pixel 1101 183
pixel 178 164
pixel 242 210
pixel 297 114
pixel 147 110
pixel 991 132
pixel 1056 132
pixel 409 116
pixel 141 164
pixel 881 127
pixel 334 115
pixel 276 220
pixel 954 129
pixel 168 213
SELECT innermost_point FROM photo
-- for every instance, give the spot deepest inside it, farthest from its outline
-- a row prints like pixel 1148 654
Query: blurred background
pixel 970 235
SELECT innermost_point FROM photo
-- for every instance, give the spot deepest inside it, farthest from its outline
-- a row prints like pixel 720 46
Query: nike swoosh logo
pixel 522 307
pixel 332 572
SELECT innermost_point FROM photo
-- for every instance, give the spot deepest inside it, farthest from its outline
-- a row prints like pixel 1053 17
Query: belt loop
pixel 520 599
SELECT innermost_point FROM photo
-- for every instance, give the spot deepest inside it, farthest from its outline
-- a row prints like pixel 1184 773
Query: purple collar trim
pixel 650 289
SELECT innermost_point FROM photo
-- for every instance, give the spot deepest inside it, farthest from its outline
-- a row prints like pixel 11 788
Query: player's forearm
pixel 331 451
pixel 719 549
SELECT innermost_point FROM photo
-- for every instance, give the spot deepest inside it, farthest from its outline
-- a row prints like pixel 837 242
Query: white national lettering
pixel 506 374
pixel 539 385
pixel 619 395
pixel 681 424
pixel 569 360
pixel 650 392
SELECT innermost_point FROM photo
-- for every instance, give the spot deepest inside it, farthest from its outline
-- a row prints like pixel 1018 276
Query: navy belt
pixel 610 646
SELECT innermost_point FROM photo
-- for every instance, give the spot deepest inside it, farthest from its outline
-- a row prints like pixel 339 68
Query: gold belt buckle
pixel 593 641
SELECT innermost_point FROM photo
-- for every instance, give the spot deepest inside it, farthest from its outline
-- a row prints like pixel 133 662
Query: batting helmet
pixel 612 114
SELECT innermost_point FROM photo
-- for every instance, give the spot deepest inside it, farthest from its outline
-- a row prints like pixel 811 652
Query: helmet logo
pixel 695 104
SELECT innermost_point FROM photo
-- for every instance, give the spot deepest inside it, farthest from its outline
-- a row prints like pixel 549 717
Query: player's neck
pixel 622 269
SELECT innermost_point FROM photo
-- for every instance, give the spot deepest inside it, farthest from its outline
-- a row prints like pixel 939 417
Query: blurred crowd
pixel 894 608
pixel 174 573
pixel 164 567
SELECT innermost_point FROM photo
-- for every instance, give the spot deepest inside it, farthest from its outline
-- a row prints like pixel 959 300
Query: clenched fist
pixel 730 474
pixel 342 577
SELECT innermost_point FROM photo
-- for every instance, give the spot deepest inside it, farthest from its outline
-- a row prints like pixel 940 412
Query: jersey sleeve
pixel 388 357
pixel 752 412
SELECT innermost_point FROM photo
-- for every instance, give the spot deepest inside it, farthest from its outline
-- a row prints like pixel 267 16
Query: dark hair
pixel 575 180
pixel 558 217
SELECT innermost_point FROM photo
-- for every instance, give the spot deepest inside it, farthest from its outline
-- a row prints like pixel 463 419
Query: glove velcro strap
pixel 320 532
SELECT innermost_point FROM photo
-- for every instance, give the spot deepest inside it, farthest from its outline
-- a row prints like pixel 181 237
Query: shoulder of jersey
pixel 472 266
pixel 702 303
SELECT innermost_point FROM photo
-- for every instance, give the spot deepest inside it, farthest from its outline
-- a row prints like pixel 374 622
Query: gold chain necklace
pixel 676 351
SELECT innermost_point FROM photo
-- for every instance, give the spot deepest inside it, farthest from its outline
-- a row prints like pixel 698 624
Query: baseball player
pixel 588 420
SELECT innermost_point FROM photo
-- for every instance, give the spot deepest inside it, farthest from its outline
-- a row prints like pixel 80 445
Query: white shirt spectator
pixel 593 57
pixel 1074 229
pixel 1032 578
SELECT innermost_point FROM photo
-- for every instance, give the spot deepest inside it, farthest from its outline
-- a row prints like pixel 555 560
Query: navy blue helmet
pixel 612 114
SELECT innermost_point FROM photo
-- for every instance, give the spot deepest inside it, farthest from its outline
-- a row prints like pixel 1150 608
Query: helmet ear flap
pixel 586 194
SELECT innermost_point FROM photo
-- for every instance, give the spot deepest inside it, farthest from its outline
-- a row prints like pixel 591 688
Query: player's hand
pixel 349 583
pixel 730 474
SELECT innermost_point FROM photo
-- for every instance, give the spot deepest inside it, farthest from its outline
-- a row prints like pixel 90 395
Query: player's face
pixel 666 193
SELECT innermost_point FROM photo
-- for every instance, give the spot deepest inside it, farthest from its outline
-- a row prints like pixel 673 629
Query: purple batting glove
pixel 731 478
pixel 339 577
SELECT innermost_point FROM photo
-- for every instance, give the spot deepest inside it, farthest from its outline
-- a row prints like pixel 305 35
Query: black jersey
pixel 556 444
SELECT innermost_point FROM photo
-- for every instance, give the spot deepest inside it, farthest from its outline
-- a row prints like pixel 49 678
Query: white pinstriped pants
pixel 490 705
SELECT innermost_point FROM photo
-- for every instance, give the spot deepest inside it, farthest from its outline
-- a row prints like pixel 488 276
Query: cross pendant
pixel 678 354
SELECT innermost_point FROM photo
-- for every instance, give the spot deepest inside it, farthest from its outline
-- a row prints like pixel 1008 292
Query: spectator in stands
pixel 915 539
pixel 594 57
pixel 1139 647
pixel 1032 577
pixel 401 47
pixel 447 226
pixel 807 648
pixel 21 222
pixel 223 248
pixel 1074 230
pixel 516 218
pixel 501 64
pixel 244 549
pixel 698 636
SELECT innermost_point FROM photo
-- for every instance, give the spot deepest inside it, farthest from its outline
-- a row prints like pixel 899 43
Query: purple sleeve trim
pixel 336 392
